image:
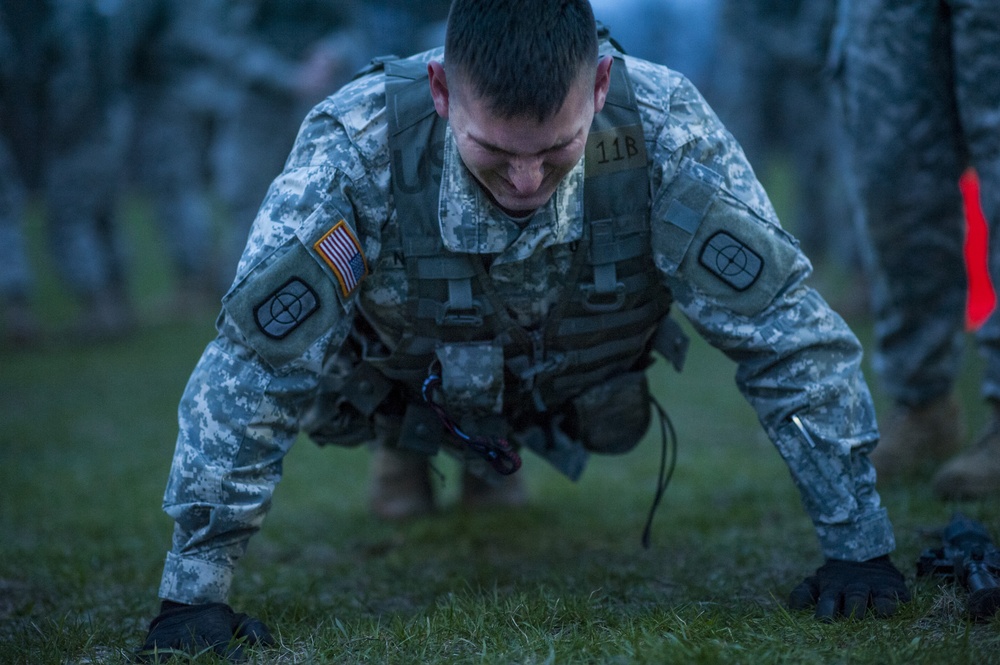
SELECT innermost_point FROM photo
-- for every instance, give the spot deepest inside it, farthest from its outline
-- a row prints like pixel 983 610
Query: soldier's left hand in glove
pixel 851 588
pixel 194 629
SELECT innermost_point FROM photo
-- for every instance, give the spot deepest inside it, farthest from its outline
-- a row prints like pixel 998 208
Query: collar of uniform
pixel 472 224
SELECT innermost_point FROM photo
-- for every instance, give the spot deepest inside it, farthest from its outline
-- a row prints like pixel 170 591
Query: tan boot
pixel 975 473
pixel 494 492
pixel 400 484
pixel 917 439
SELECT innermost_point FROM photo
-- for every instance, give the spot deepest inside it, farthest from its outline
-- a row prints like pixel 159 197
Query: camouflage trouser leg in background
pixel 921 81
pixel 82 191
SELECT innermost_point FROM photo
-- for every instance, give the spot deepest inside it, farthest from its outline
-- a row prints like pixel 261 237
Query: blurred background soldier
pixel 778 102
pixel 282 56
pixel 87 124
pixel 180 102
pixel 222 90
pixel 921 86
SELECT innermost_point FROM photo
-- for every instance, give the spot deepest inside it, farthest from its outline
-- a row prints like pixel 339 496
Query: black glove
pixel 850 588
pixel 193 629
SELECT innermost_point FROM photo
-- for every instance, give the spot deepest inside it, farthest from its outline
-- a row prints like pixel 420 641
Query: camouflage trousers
pixel 83 184
pixel 920 86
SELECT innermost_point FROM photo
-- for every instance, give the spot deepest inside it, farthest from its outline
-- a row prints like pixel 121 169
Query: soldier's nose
pixel 526 175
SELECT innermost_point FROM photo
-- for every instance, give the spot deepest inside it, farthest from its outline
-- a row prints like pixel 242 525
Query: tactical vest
pixel 599 335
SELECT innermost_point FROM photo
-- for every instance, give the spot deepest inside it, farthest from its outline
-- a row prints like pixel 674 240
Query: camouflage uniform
pixel 240 413
pixel 921 84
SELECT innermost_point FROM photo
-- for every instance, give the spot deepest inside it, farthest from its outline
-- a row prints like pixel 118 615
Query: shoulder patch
pixel 737 260
pixel 286 308
pixel 340 249
pixel 731 260
pixel 285 304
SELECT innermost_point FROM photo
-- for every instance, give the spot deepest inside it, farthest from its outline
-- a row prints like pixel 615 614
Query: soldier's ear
pixel 439 87
pixel 602 82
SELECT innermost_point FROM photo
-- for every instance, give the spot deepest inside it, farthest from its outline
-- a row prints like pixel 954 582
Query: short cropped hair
pixel 521 56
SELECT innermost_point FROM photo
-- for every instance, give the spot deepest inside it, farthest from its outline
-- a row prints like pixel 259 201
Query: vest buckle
pixel 469 317
pixel 603 301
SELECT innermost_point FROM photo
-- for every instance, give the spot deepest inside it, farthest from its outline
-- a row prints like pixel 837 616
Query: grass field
pixel 85 444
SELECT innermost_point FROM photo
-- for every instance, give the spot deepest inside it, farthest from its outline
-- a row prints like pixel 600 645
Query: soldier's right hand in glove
pixel 850 588
pixel 194 629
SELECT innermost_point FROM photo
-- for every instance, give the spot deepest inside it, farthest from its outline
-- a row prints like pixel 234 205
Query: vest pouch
pixel 341 414
pixel 613 416
pixel 472 377
pixel 366 388
pixel 421 431
pixel 549 440
pixel 331 420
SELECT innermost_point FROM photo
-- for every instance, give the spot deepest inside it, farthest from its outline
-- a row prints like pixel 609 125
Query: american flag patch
pixel 342 252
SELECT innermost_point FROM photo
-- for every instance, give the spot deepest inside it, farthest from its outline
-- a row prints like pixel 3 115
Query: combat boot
pixel 495 492
pixel 975 473
pixel 917 439
pixel 400 484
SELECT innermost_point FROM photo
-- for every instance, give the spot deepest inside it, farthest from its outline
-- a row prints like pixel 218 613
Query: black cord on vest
pixel 495 450
pixel 668 439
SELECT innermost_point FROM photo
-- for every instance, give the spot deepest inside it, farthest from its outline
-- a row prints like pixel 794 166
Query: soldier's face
pixel 520 161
